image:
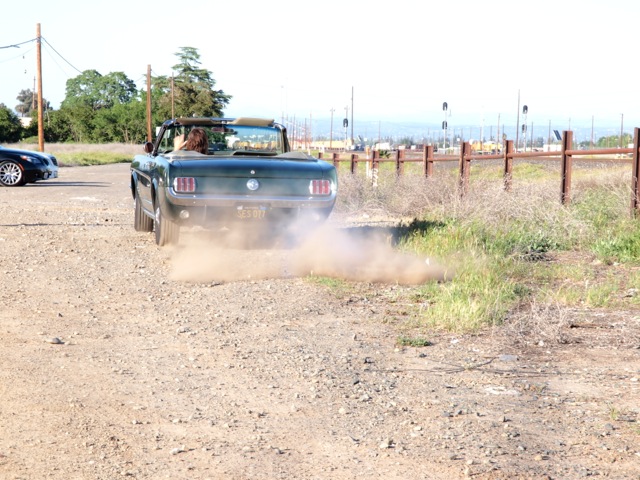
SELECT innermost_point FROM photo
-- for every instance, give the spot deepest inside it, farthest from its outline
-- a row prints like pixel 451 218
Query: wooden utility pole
pixel 40 107
pixel 352 141
pixel 173 97
pixel 149 136
pixel 635 177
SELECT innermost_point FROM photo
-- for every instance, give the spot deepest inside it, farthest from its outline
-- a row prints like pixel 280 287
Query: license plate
pixel 251 213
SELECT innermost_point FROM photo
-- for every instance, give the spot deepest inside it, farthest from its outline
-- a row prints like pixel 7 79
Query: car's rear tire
pixel 141 221
pixel 11 174
pixel 167 232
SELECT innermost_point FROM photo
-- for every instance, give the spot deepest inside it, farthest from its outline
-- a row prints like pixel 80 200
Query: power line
pixel 21 54
pixel 17 45
pixel 67 61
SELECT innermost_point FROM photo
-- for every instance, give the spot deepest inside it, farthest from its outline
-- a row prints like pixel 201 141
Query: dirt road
pixel 120 359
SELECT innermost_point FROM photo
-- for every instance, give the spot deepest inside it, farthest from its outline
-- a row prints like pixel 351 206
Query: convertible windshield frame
pixel 227 136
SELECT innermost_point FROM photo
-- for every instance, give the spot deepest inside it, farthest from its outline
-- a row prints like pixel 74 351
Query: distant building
pixel 327 145
pixel 551 147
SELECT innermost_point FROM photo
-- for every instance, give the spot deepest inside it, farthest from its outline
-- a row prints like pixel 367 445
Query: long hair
pixel 198 141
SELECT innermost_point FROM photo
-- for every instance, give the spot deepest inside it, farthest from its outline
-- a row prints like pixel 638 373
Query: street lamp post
pixel 525 110
pixel 331 131
pixel 345 124
pixel 445 107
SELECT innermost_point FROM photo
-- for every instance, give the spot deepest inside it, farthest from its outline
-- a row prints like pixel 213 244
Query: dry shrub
pixel 615 181
pixel 401 197
pixel 486 201
pixel 536 323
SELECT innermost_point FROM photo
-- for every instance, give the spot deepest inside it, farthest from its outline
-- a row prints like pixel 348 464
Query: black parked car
pixel 18 167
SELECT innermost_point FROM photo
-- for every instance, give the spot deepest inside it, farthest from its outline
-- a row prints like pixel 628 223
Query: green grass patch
pixel 338 286
pixel 512 249
pixel 81 159
pixel 406 341
pixel 619 247
pixel 84 154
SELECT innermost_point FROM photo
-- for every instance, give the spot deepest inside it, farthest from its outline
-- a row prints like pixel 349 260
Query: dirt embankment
pixel 120 359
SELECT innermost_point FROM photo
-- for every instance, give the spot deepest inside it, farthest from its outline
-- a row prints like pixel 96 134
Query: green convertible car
pixel 245 176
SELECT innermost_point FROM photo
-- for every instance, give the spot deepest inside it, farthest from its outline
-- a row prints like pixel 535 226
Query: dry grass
pixel 404 197
pixel 486 200
pixel 79 148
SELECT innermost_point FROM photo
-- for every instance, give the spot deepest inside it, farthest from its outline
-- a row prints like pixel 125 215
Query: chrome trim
pixel 233 200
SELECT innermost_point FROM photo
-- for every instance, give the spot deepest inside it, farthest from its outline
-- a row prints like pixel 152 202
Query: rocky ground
pixel 120 359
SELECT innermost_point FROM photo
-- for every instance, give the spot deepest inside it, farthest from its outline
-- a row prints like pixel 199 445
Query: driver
pixel 197 141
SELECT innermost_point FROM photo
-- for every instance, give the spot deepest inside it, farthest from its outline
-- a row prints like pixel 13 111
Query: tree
pixel 29 103
pixel 88 94
pixel 123 123
pixel 26 99
pixel 193 89
pixel 108 108
pixel 10 126
pixel 613 141
pixel 93 90
pixel 406 141
pixel 56 127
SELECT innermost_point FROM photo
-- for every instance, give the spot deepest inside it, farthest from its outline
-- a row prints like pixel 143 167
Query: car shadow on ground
pixel 69 184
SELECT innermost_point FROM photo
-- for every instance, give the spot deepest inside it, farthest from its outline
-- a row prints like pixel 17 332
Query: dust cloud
pixel 344 253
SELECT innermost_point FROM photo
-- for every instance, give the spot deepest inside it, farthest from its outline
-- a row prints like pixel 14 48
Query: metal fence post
pixel 427 154
pixel 508 165
pixel 375 166
pixel 465 166
pixel 635 186
pixel 399 163
pixel 567 160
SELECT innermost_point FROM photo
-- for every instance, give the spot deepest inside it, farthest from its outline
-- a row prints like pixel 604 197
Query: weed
pixel 403 341
pixel 613 413
pixel 335 284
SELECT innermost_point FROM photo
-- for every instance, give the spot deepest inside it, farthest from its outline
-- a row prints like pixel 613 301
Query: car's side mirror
pixel 148 147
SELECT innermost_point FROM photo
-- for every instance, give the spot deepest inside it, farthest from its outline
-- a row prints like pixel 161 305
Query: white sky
pixel 570 60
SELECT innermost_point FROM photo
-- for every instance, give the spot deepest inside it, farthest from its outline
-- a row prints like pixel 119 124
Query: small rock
pixel 178 450
pixel 54 341
pixel 386 443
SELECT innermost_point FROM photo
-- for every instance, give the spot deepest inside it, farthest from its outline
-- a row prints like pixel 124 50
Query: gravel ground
pixel 124 360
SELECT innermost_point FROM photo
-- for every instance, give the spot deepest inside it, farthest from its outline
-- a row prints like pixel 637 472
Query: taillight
pixel 184 184
pixel 320 187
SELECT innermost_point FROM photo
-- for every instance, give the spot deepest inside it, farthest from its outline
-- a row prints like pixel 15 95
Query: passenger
pixel 197 141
